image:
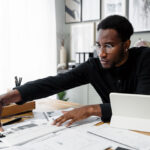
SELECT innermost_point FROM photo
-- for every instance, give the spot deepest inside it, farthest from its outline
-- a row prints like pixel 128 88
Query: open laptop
pixel 130 111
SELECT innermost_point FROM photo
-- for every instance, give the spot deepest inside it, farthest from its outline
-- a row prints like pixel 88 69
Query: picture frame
pixel 114 7
pixel 82 38
pixel 91 10
pixel 139 15
pixel 72 11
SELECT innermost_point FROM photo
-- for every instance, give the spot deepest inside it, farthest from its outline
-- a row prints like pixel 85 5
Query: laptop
pixel 130 111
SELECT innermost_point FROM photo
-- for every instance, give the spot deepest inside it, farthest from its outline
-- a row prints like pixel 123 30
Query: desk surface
pixel 43 105
pixel 49 105
pixel 52 104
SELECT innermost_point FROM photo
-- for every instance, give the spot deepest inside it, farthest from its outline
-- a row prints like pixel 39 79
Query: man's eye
pixel 108 46
pixel 98 46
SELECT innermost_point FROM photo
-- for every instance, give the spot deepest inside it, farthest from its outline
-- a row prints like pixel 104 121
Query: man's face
pixel 111 50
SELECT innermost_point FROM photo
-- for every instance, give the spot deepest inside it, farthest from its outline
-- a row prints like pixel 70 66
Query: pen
pixel 99 123
pixel 12 121
pixel 108 148
pixel 18 81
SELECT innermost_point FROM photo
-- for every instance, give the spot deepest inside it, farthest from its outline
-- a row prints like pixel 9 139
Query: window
pixel 27 40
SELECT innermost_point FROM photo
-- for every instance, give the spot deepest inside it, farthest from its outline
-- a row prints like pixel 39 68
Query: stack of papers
pixel 69 140
pixel 40 134
pixel 24 132
pixel 124 137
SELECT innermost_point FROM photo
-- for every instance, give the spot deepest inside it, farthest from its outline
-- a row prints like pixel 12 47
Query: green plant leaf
pixel 61 96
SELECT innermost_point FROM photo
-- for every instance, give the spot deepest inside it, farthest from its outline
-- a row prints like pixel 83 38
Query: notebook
pixel 130 111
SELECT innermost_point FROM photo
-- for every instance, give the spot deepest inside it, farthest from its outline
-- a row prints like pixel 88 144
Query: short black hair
pixel 118 23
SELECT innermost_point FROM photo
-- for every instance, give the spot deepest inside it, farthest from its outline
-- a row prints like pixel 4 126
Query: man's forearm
pixel 10 97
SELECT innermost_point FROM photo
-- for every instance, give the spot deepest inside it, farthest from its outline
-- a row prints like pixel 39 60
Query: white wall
pixel 137 36
pixel 65 28
pixel 60 23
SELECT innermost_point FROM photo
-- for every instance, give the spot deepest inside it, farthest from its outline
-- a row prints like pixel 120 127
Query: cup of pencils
pixel 18 81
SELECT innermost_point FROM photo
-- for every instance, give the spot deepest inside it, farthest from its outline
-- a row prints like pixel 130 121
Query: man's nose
pixel 102 53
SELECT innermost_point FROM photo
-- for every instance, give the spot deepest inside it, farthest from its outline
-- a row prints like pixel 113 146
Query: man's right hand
pixel 10 97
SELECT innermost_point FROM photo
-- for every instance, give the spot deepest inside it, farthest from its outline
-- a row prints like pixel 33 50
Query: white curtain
pixel 27 40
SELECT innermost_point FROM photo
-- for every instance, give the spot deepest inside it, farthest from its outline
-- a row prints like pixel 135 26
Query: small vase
pixel 63 56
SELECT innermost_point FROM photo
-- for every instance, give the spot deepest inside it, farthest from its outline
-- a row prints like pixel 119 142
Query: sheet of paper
pixel 55 114
pixel 12 148
pixel 69 140
pixel 3 145
pixel 27 132
pixel 79 128
pixel 125 137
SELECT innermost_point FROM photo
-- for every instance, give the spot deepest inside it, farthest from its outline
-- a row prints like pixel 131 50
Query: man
pixel 118 69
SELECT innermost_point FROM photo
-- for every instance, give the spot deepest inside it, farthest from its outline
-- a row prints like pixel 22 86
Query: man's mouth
pixel 103 61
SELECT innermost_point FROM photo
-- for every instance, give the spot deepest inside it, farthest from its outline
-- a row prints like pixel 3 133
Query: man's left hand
pixel 78 114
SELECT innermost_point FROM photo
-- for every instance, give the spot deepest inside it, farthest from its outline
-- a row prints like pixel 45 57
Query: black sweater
pixel 131 77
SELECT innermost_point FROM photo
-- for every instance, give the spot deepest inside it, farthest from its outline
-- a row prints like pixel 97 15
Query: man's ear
pixel 127 45
pixel 128 42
